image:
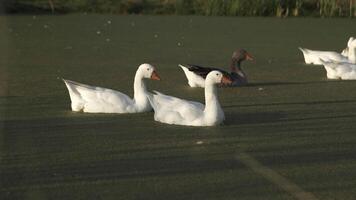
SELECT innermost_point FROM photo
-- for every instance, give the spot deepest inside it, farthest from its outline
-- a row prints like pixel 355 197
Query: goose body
pixel 335 70
pixel 347 55
pixel 173 110
pixel 314 56
pixel 94 99
pixel 196 74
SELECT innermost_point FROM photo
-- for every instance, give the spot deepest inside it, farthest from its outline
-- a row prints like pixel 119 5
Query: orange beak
pixel 155 76
pixel 226 80
pixel 248 56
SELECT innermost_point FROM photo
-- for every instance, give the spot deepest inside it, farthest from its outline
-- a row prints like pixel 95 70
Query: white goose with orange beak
pixel 173 110
pixel 94 99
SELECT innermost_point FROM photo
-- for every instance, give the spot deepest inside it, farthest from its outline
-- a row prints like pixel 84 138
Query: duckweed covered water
pixel 290 119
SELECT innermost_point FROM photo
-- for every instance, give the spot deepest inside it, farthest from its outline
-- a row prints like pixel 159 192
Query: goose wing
pixel 98 99
pixel 173 110
pixel 203 71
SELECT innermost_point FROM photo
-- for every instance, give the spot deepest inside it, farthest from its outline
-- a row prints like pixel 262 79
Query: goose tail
pixel 184 68
pixel 77 102
pixel 189 75
pixel 303 50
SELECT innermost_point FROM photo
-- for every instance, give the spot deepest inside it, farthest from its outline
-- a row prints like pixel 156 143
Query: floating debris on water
pixel 98 32
pixel 199 142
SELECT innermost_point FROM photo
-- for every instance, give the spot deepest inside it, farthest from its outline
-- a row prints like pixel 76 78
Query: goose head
pixel 237 57
pixel 148 71
pixel 216 77
pixel 241 55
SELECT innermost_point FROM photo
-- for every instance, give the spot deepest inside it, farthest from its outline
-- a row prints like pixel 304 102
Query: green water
pixel 291 119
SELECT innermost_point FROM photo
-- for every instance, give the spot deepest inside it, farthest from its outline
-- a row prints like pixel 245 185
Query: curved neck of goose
pixel 212 105
pixel 140 90
pixel 235 65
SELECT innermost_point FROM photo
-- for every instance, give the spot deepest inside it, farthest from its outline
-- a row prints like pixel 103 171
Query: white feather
pixel 193 79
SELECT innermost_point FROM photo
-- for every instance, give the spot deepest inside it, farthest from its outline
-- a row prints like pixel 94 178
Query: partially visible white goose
pixel 335 70
pixel 173 110
pixel 93 99
pixel 314 56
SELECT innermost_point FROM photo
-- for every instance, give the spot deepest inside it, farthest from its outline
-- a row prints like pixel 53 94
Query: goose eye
pixel 217 74
pixel 148 69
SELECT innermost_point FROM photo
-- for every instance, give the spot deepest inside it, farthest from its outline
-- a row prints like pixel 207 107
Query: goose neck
pixel 211 100
pixel 213 111
pixel 235 65
pixel 139 87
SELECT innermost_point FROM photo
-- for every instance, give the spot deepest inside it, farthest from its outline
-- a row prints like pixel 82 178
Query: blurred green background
pixel 281 8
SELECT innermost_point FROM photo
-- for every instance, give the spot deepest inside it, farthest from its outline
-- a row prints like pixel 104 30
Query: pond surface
pixel 290 120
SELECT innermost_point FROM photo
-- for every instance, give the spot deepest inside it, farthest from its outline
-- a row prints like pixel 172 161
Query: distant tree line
pixel 280 8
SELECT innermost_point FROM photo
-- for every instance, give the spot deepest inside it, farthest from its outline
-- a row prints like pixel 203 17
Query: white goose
pixel 93 99
pixel 172 110
pixel 335 70
pixel 314 56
